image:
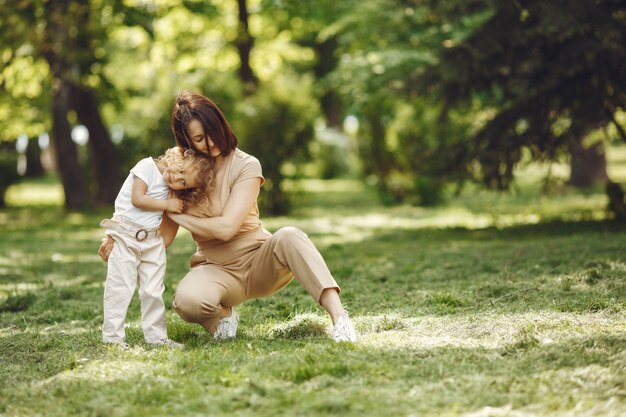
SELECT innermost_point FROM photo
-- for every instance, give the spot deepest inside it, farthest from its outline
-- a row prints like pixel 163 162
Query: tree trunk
pixel 332 108
pixel 8 168
pixel 244 43
pixel 72 175
pixel 63 148
pixel 34 168
pixel 588 165
pixel 376 159
pixel 326 63
pixel 102 151
pixel 617 200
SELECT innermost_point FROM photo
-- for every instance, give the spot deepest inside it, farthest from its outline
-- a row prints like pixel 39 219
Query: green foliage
pixel 546 76
pixel 402 138
pixel 453 91
pixel 276 126
pixel 45 40
pixel 445 92
pixel 332 161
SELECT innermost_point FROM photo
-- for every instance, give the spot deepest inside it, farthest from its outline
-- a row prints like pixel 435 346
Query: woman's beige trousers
pixel 256 264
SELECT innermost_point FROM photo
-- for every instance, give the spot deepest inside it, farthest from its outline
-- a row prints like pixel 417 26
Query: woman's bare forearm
pixel 168 229
pixel 206 227
pixel 227 225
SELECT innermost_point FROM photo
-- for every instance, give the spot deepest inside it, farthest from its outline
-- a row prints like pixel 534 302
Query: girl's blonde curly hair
pixel 204 169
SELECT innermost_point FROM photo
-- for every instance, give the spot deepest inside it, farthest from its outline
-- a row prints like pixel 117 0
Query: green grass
pixel 493 305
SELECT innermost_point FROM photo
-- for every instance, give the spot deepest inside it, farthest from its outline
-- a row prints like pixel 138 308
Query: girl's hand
pixel 106 248
pixel 175 205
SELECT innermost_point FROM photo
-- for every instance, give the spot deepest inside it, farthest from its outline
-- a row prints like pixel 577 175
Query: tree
pixel 276 125
pixel 244 44
pixel 68 36
pixel 72 176
pixel 464 89
pixel 375 78
pixel 588 164
pixel 315 25
pixel 549 72
pixel 8 169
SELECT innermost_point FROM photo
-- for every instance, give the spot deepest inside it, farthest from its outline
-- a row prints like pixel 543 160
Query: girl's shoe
pixel 169 343
pixel 120 345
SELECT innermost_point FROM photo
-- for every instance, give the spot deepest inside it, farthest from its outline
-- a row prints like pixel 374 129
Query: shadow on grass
pixel 547 229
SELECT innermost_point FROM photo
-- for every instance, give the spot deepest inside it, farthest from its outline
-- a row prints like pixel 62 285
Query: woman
pixel 237 259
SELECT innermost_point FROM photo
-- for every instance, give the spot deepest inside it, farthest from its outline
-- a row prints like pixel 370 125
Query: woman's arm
pixel 106 247
pixel 224 227
pixel 168 229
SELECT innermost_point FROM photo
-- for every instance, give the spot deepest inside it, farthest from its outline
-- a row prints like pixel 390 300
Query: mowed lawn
pixel 492 305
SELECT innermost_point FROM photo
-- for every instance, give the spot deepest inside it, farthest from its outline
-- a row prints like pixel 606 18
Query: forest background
pixel 411 96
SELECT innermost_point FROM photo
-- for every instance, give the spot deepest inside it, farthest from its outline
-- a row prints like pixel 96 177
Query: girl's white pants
pixel 132 264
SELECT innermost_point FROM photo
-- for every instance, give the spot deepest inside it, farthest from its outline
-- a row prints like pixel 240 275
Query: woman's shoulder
pixel 242 159
pixel 244 166
pixel 243 156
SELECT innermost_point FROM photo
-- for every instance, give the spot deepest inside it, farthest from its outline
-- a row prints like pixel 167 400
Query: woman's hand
pixel 106 248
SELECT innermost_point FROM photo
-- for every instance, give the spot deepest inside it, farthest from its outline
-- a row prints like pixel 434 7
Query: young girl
pixel 166 184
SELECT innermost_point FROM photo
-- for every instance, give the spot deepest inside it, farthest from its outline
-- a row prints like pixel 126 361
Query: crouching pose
pixel 237 259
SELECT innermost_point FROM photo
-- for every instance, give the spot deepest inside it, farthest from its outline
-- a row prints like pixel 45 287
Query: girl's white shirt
pixel 148 172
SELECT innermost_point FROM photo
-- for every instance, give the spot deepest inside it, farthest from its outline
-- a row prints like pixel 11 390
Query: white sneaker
pixel 227 327
pixel 121 345
pixel 343 331
pixel 169 343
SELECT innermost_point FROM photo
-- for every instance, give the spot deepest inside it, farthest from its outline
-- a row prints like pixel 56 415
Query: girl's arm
pixel 224 227
pixel 141 200
pixel 168 230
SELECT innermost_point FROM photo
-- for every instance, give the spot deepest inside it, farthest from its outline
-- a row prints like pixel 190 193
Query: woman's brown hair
pixel 189 106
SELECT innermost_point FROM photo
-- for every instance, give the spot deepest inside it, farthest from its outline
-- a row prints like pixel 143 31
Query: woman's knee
pixel 288 234
pixel 193 307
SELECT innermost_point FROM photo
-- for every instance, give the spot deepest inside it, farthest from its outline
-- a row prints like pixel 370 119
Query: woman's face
pixel 196 133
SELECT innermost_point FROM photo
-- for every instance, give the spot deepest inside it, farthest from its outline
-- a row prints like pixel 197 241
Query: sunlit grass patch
pixel 300 326
pixel 379 324
pixel 35 193
pixel 490 330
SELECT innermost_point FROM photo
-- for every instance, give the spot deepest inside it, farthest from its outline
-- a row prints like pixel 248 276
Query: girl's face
pixel 196 133
pixel 180 176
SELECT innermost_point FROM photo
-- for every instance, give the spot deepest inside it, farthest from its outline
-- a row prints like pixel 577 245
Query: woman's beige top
pixel 237 166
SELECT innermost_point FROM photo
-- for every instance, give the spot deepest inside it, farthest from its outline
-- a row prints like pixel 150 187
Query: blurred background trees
pixel 420 93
